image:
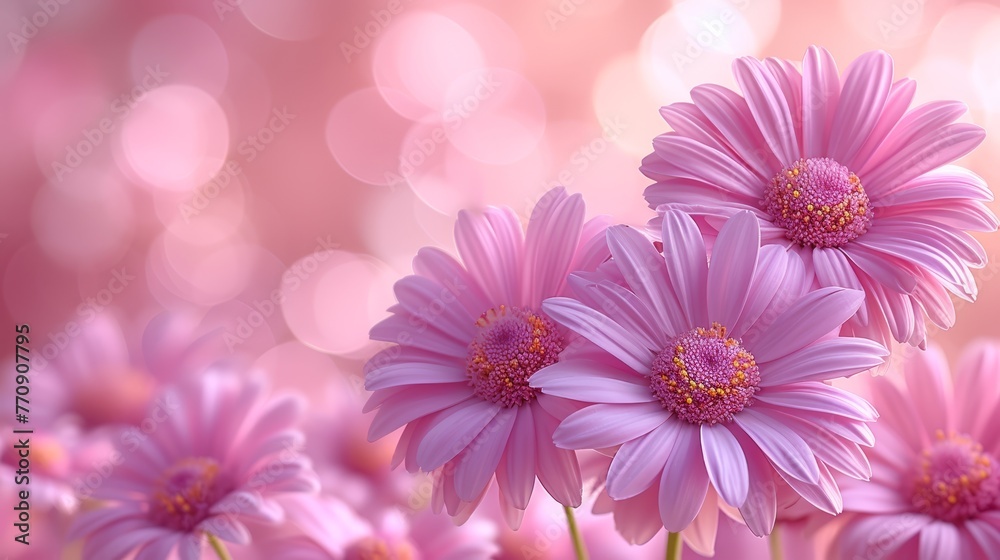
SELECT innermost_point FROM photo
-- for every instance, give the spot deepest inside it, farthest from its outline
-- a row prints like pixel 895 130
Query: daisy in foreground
pixel 212 454
pixel 935 487
pixel 840 169
pixel 468 337
pixel 713 376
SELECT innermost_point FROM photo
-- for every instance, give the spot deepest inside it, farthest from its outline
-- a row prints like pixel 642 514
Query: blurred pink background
pixel 270 168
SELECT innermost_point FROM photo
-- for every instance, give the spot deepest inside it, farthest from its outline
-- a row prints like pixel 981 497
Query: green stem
pixel 218 547
pixel 574 531
pixel 774 541
pixel 673 546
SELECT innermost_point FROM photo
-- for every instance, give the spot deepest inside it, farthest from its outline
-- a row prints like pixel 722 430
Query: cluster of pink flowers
pixel 801 229
pixel 665 376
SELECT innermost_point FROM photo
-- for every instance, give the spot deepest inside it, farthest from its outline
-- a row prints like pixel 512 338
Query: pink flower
pixel 467 340
pixel 216 456
pixel 841 171
pixel 707 386
pixel 324 528
pixel 935 486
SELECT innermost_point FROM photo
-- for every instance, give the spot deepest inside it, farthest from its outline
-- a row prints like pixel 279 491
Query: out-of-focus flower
pixel 349 467
pixel 219 453
pixel 49 456
pixel 838 169
pixel 325 528
pixel 935 486
pixel 706 387
pixel 468 337
pixel 101 365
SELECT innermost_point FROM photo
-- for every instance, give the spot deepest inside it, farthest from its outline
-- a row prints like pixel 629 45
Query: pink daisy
pixel 468 337
pixel 842 171
pixel 706 384
pixel 215 457
pixel 935 485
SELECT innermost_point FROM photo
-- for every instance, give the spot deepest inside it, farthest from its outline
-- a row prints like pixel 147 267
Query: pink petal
pixel 414 373
pixel 891 272
pixel 866 87
pixel 452 430
pixel 819 397
pixel 834 269
pixel 551 240
pixel 820 95
pixel 415 402
pixel 690 121
pixel 805 321
pixel 769 107
pixel 824 494
pixel 734 260
pixel 632 516
pixel 900 95
pixel 879 536
pixel 431 306
pixel 928 381
pixel 684 482
pixel 783 447
pixel 731 115
pixel 939 540
pixel 924 153
pixel 558 469
pixel 689 159
pixel 626 309
pixel 645 272
pixel 479 461
pixel 600 330
pixel 639 462
pixel 986 535
pixel 727 465
pixel 686 264
pixel 975 390
pixel 441 267
pixel 491 247
pixel 872 497
pixel 592 382
pixel 516 471
pixel 606 425
pixel 700 535
pixel 827 359
pixel 158 548
pixel 760 508
pixel 772 270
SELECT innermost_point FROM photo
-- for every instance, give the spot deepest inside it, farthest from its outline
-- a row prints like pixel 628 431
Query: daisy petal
pixel 727 465
pixel 786 449
pixel 734 260
pixel 684 482
pixel 816 314
pixel 606 425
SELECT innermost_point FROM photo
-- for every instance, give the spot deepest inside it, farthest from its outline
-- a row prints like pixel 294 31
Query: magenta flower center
pixel 512 344
pixel 704 377
pixel 956 480
pixel 185 493
pixel 819 203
